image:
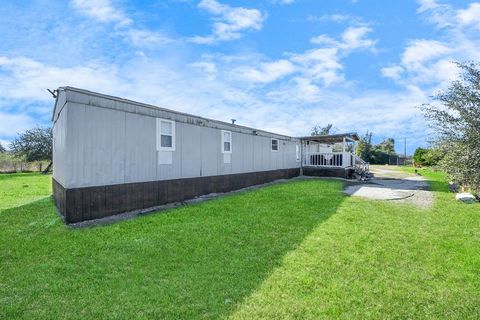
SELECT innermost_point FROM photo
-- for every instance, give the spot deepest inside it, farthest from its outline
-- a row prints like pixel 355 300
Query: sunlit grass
pixel 293 250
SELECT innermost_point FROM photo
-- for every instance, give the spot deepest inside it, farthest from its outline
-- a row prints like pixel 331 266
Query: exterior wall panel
pixel 141 158
pixel 190 150
pixel 60 146
pixel 105 146
pixel 210 151
pixel 105 141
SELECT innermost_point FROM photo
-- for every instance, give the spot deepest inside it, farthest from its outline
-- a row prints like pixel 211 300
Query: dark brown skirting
pixel 346 173
pixel 80 204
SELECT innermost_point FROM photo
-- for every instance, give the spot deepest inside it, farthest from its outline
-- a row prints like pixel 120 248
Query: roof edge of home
pixel 352 135
pixel 146 105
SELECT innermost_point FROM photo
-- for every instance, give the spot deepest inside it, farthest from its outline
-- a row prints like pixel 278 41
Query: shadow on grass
pixel 197 261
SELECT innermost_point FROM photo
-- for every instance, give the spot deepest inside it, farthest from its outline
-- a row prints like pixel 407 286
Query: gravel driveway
pixel 399 187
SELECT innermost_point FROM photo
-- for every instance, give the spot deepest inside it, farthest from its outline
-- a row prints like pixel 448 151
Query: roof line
pixel 150 106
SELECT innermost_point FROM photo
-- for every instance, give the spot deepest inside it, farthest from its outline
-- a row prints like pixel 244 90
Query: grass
pixel 293 250
pixel 22 188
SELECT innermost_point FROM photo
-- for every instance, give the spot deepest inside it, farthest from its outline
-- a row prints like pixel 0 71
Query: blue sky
pixel 279 65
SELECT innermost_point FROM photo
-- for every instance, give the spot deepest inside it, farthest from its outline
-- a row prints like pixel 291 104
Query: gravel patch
pixel 394 186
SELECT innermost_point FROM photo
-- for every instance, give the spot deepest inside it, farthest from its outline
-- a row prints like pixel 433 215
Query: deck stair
pixel 362 169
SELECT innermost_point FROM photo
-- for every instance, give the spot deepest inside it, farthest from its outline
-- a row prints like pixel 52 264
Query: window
pixel 226 141
pixel 297 152
pixel 274 144
pixel 165 135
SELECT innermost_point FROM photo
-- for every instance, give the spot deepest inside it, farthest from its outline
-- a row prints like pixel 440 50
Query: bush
pixel 457 126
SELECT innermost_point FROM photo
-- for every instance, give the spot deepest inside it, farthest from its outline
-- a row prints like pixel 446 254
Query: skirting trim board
pixel 346 173
pixel 80 204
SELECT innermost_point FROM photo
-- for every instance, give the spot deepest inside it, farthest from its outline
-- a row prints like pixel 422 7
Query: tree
pixel 427 156
pixel 456 121
pixel 2 148
pixel 375 154
pixel 364 147
pixel 419 156
pixel 34 144
pixel 317 130
pixel 387 146
pixel 382 152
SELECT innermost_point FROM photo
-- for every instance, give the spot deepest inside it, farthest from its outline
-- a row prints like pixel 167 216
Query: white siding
pixel 105 146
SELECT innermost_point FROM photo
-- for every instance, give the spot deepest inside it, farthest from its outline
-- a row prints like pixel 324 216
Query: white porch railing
pixel 331 159
pixel 336 159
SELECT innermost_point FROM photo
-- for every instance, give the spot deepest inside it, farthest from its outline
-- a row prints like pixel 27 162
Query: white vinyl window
pixel 226 141
pixel 165 135
pixel 297 152
pixel 274 145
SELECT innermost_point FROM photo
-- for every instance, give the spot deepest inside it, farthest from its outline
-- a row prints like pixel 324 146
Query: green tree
pixel 382 152
pixel 419 156
pixel 321 131
pixel 2 148
pixel 387 146
pixel 433 156
pixel 34 144
pixel 364 148
pixel 427 156
pixel 456 121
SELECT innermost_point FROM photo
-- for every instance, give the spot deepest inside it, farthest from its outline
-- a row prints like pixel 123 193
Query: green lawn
pixel 293 250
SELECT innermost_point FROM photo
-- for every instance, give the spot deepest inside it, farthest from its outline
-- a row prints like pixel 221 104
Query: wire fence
pixel 13 166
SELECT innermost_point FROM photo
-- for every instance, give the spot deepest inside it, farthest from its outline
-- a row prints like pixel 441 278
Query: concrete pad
pixel 372 191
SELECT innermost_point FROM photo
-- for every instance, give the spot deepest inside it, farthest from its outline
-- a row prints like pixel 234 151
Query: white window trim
pixel 271 145
pixel 223 141
pixel 159 135
pixel 298 152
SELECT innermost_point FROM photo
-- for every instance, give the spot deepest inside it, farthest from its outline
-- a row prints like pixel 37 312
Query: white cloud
pixel 424 62
pixel 229 23
pixel 355 38
pixel 324 63
pixel 421 51
pixel 266 72
pixel 320 64
pixel 146 38
pixel 209 69
pixel 427 5
pixel 24 78
pixel 471 15
pixel 337 18
pixel 101 10
pixel 13 123
pixel 324 40
pixel 104 11
pixel 438 14
pixel 283 1
pixel 352 38
pixel 428 62
pixel 393 72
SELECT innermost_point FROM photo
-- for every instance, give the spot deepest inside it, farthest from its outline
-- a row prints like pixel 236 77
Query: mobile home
pixel 113 155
